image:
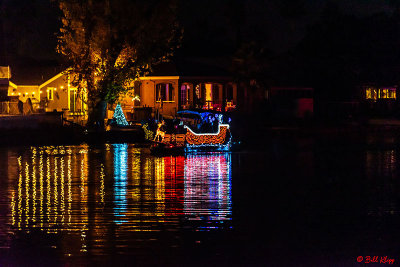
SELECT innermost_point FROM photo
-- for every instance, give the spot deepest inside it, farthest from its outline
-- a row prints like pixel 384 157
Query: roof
pixel 189 68
pixel 37 73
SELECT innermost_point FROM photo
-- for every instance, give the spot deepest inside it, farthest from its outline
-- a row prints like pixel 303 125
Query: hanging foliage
pixel 109 43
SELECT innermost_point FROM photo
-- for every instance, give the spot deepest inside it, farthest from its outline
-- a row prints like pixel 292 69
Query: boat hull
pixel 163 149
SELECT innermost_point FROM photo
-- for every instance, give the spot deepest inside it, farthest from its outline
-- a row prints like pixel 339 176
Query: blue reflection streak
pixel 121 180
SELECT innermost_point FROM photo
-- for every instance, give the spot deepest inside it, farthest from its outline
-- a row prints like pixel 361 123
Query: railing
pixel 10 108
pixel 78 117
pixel 187 105
pixel 217 105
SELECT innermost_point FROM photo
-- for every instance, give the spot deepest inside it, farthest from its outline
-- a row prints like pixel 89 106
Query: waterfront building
pixel 167 89
pixel 171 87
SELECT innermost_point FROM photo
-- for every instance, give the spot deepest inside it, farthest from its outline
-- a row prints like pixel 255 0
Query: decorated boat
pixel 193 131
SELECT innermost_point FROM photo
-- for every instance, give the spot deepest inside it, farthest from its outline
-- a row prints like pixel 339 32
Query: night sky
pixel 212 28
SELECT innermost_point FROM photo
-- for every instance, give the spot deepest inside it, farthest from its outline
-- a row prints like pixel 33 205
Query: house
pixel 58 94
pixel 171 87
pixel 374 93
pixel 10 93
pixel 168 88
pixel 53 94
pixel 380 100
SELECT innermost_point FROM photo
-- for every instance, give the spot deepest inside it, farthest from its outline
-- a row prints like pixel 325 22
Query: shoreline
pixel 260 134
pixel 50 129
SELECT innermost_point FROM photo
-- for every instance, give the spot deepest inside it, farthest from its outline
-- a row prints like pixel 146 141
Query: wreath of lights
pixel 207 138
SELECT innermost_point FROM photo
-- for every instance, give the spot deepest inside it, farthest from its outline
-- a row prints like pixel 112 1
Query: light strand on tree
pixel 119 116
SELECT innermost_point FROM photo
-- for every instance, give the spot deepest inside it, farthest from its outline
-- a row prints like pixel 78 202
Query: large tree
pixel 111 42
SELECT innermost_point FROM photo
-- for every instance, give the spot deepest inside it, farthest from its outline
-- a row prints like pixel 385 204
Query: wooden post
pixel 179 100
pixel 194 97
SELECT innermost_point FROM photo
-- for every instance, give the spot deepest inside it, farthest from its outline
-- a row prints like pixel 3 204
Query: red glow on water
pixel 174 174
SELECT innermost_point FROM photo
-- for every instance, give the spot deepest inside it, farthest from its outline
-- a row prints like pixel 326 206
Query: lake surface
pixel 290 202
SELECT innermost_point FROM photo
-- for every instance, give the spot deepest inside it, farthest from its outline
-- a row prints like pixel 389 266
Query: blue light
pixel 119 116
pixel 121 180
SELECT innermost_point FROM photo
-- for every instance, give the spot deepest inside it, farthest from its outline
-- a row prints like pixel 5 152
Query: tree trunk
pixel 96 114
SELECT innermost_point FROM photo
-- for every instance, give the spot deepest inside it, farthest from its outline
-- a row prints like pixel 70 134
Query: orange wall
pixel 25 91
pixel 148 94
pixel 60 94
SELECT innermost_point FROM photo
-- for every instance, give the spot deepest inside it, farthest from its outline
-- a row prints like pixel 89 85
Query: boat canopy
pixel 204 116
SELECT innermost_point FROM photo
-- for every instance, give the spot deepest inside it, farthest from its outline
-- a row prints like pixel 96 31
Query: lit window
pixel 384 93
pixel 137 91
pixel 392 93
pixel 375 94
pixel 50 93
pixel 164 92
pixel 198 91
pixel 185 94
pixel 388 93
pixel 368 93
pixel 72 100
pixel 75 104
pixel 209 92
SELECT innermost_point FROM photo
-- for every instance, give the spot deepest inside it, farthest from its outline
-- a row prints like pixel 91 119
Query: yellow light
pixel 62 87
pixel 198 139
pixel 19 93
pixel 12 93
pixel 26 93
pixel 33 93
pixel 41 91
pixel 55 89
pixel 47 90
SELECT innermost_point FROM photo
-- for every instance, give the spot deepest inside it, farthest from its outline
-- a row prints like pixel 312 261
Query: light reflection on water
pixel 382 175
pixel 108 202
pixel 104 194
pixel 121 180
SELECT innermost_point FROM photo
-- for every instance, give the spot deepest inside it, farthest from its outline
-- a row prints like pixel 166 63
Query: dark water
pixel 297 202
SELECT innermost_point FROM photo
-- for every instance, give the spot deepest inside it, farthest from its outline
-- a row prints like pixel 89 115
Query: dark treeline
pixel 328 47
pixel 28 30
pixel 341 52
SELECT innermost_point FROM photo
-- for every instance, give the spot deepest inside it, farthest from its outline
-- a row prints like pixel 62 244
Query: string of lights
pixel 148 134
pixel 119 116
pixel 207 138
